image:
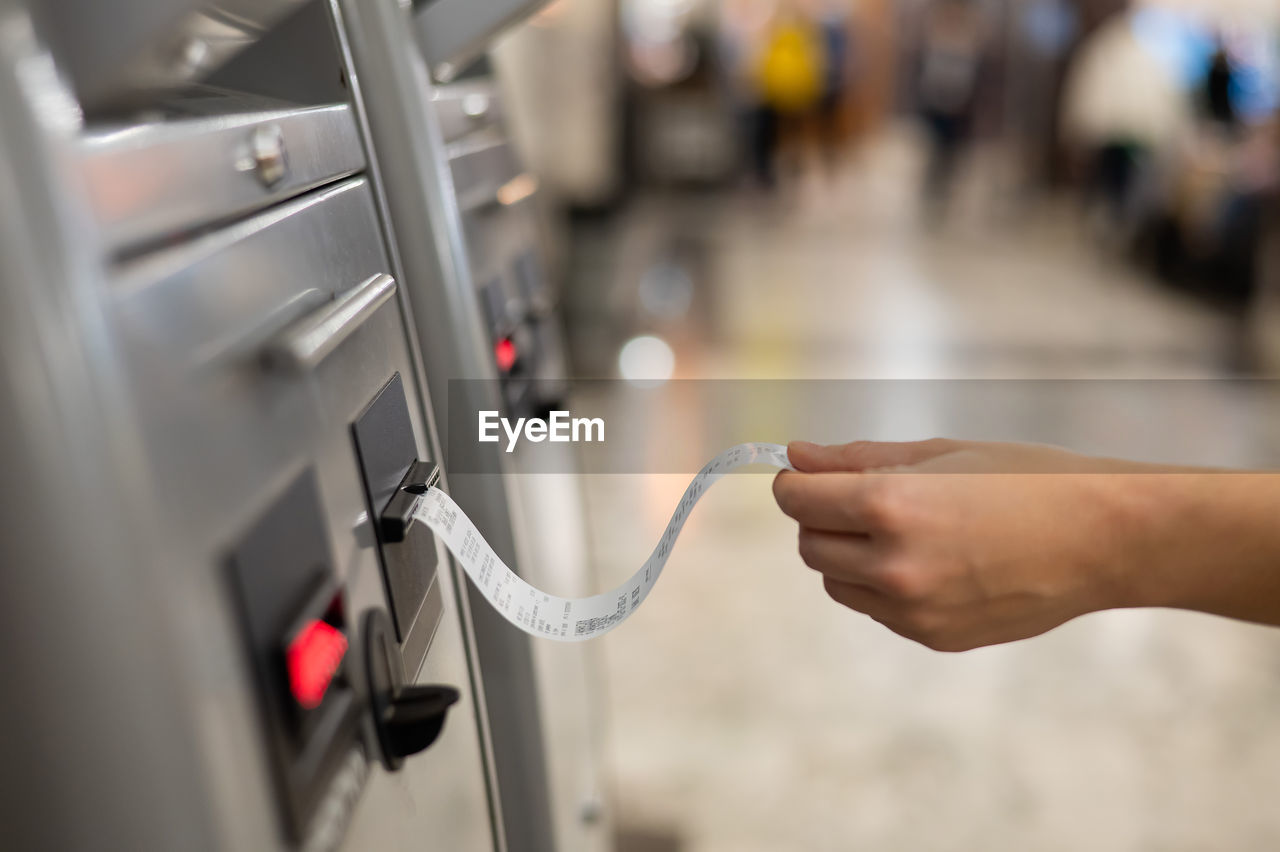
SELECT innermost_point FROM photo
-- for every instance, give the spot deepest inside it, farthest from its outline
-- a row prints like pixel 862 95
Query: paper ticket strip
pixel 574 619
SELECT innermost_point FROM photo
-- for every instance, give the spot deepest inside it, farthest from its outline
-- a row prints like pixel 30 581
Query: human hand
pixel 959 544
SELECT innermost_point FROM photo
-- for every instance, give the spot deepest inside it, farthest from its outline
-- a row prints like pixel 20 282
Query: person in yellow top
pixel 781 72
pixel 792 66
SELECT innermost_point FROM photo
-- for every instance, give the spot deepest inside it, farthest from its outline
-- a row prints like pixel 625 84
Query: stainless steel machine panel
pixel 481 164
pixel 465 107
pixel 451 32
pixel 393 87
pixel 198 322
pixel 149 181
pixel 118 52
pixel 461 247
pixel 228 420
pixel 215 405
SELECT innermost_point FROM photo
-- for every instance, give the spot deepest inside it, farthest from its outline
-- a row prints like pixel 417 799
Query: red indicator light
pixel 504 352
pixel 312 659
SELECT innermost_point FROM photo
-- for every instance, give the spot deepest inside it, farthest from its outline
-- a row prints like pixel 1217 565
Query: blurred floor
pixel 748 712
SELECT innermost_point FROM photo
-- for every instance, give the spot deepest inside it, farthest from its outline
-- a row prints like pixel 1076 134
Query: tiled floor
pixel 747 712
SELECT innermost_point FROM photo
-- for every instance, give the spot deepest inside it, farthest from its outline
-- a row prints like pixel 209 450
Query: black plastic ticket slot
pixel 298 638
pixel 393 476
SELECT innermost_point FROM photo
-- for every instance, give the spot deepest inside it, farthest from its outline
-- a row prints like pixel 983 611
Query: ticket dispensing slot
pixel 397 516
pixel 393 477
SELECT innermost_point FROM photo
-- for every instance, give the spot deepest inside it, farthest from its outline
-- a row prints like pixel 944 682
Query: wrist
pixel 1201 540
pixel 1147 537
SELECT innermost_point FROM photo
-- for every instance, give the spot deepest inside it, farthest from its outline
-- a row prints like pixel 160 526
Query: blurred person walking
pixel 952 53
pixel 835 21
pixel 791 77
pixel 1218 85
pixel 1123 112
pixel 1222 179
pixel 744 29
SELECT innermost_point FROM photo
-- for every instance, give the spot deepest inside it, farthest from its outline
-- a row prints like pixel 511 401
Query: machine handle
pixel 406 717
pixel 307 342
pixel 414 718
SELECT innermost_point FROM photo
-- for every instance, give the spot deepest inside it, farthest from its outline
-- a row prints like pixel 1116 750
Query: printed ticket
pixel 575 619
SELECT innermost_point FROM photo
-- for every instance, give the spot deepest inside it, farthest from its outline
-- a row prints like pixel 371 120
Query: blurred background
pixel 915 190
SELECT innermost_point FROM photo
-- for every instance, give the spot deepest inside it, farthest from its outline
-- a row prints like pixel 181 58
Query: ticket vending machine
pixel 221 628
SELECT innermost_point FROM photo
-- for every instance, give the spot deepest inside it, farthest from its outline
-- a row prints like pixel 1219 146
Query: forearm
pixel 1201 540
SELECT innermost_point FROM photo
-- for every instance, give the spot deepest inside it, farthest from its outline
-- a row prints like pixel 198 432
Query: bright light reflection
pixel 646 359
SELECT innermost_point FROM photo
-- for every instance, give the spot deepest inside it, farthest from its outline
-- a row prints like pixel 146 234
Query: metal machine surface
pixel 519 305
pixel 222 633
pixel 460 206
pixel 451 33
pixel 122 53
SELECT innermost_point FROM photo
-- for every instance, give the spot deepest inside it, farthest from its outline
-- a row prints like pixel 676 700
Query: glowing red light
pixel 504 352
pixel 312 659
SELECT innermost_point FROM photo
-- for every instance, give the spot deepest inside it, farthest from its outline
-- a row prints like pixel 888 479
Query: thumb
pixel 865 455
